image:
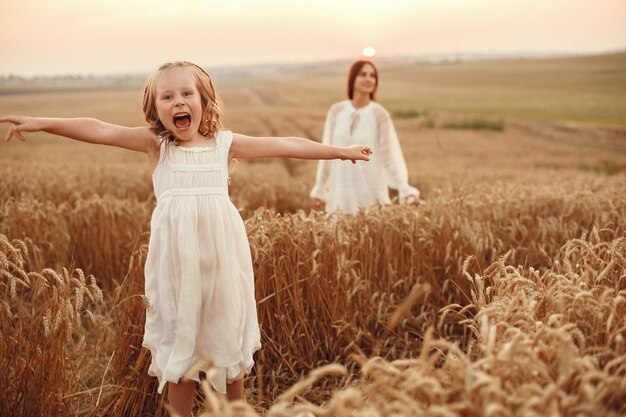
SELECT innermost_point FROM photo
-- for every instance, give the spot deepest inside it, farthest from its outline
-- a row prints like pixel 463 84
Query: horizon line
pixel 427 58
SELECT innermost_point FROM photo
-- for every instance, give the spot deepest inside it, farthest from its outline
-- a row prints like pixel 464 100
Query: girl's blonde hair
pixel 211 103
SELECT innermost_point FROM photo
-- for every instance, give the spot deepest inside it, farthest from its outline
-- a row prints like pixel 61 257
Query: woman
pixel 361 119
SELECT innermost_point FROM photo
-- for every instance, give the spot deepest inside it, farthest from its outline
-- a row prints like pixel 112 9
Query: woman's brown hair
pixel 355 69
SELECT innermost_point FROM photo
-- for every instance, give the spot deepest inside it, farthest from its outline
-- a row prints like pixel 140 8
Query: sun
pixel 369 52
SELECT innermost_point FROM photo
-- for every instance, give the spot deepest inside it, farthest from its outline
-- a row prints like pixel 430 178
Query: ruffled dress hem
pixel 226 373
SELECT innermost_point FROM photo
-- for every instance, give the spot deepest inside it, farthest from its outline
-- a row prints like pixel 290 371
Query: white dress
pixel 199 278
pixel 348 187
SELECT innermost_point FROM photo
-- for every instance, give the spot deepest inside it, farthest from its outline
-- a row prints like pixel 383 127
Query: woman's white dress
pixel 347 187
pixel 199 278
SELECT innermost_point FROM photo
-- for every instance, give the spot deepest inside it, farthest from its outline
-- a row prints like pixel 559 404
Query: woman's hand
pixel 318 204
pixel 412 200
pixel 357 153
pixel 20 124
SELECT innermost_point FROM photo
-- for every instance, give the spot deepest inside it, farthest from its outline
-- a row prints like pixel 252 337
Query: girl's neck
pixel 198 140
pixel 360 100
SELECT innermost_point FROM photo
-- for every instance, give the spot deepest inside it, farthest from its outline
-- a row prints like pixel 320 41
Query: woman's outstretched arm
pixel 140 139
pixel 248 147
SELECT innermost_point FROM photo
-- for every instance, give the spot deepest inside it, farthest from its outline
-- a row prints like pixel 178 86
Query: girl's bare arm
pixel 247 147
pixel 141 139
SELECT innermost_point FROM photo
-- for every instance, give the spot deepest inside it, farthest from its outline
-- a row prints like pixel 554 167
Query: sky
pixel 100 37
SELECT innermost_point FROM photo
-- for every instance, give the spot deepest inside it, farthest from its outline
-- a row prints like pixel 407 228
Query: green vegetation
pixel 606 167
pixel 587 91
pixel 476 124
pixel 409 114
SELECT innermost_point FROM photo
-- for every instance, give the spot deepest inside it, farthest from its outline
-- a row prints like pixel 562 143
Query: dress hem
pixel 158 373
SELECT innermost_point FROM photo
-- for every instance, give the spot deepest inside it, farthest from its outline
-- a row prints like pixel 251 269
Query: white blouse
pixel 348 187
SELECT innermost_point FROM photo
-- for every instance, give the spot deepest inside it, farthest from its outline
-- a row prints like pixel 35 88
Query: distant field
pixel 583 91
pixel 556 114
pixel 588 91
pixel 580 100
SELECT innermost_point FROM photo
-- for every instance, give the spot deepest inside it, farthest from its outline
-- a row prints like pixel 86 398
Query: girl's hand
pixel 20 124
pixel 317 203
pixel 357 153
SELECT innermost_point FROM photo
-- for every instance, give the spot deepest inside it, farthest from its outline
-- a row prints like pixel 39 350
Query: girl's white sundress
pixel 199 278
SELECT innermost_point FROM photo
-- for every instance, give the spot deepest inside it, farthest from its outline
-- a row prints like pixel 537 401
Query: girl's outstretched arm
pixel 140 139
pixel 248 147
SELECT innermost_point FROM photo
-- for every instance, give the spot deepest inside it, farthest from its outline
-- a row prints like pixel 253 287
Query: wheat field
pixel 503 295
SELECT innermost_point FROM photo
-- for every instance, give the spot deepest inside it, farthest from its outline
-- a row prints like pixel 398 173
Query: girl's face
pixel 365 81
pixel 178 103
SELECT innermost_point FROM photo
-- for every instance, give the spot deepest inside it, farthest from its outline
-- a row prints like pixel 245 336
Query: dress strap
pixel 162 147
pixel 224 139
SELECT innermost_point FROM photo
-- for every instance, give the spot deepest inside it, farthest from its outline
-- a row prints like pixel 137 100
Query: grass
pixel 476 124
pixel 409 114
pixel 608 168
pixel 588 91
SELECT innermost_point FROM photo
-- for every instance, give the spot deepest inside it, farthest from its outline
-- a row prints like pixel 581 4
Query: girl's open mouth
pixel 182 120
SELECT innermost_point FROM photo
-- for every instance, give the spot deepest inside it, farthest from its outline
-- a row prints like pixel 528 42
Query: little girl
pixel 199 279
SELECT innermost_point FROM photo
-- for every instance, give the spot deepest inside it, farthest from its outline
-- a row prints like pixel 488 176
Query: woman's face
pixel 365 81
